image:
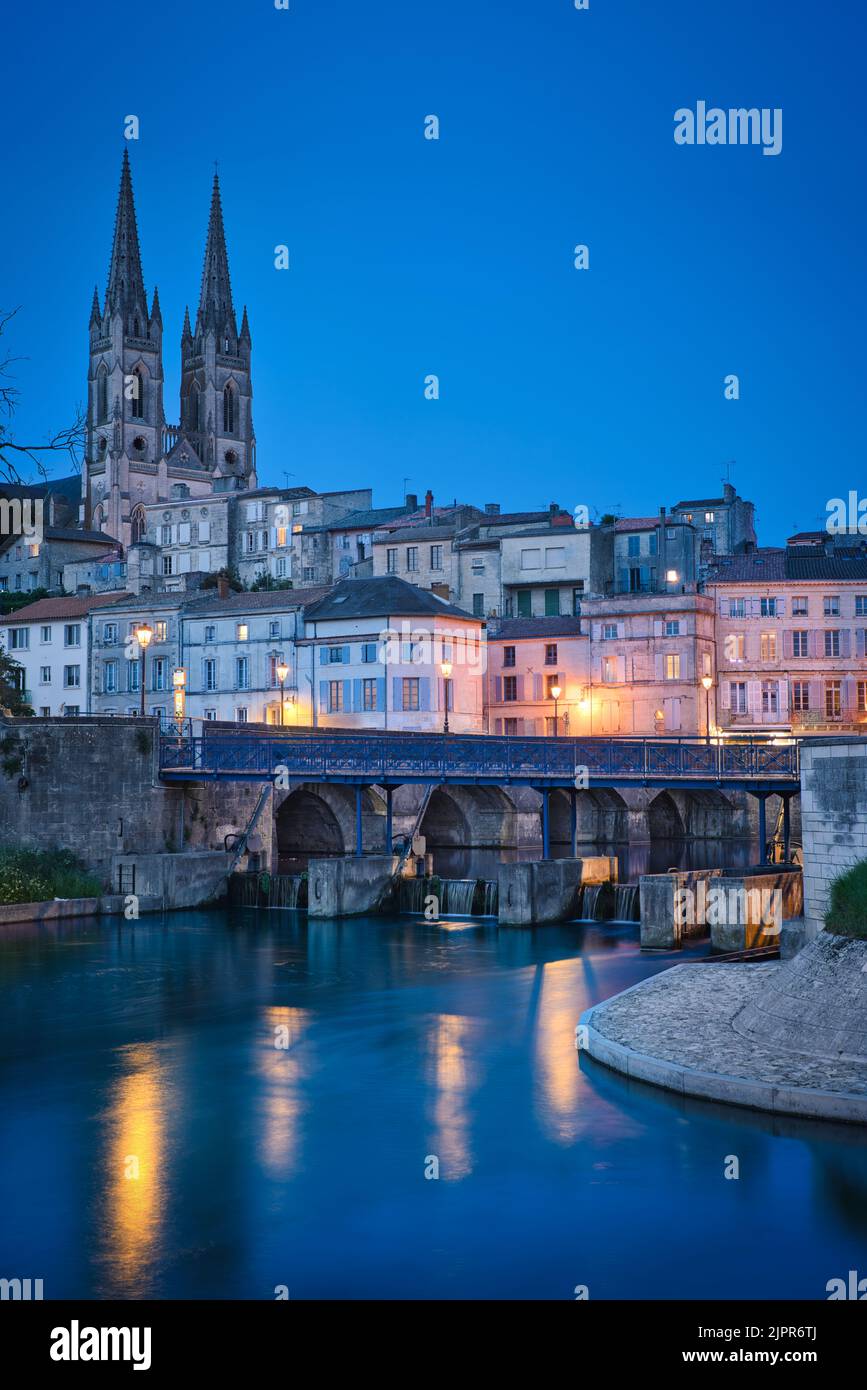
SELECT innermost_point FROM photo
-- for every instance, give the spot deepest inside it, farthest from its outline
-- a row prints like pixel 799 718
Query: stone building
pixel 51 640
pixel 790 637
pixel 527 657
pixel 372 658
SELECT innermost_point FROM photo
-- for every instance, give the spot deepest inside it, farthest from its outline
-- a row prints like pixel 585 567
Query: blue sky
pixel 454 257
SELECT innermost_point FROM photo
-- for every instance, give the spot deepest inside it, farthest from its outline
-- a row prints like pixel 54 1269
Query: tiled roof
pixel 795 565
pixel 383 597
pixel 513 629
pixel 262 601
pixel 46 610
pixel 364 520
pixel 418 533
pixel 636 523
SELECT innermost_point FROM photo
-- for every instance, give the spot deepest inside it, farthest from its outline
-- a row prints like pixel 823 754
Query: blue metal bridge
pixel 478 760
pixel 387 760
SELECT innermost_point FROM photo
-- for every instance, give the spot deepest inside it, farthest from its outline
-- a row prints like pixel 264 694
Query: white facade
pixel 385 673
pixel 51 641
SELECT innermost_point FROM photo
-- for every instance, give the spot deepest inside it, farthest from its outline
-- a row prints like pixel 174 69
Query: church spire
pixel 126 289
pixel 215 302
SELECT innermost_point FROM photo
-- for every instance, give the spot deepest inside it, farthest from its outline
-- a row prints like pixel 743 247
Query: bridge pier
pixel 573 823
pixel 359 820
pixel 388 819
pixel 546 824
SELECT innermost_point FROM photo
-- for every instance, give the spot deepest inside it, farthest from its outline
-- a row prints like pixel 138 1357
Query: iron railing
pixel 469 758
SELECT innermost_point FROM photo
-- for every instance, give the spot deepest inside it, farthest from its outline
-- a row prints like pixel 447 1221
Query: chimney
pixel 222 586
pixel 492 509
pixel 411 500
pixel 428 503
pixel 553 509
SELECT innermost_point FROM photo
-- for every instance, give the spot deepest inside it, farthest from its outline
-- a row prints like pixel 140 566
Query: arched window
pixel 139 525
pixel 102 393
pixel 137 403
pixel 135 328
pixel 193 408
pixel 229 410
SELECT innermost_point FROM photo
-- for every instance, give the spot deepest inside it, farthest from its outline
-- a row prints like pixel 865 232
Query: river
pixel 228 1104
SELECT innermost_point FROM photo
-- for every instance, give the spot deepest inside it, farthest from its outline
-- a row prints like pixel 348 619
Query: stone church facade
pixel 134 458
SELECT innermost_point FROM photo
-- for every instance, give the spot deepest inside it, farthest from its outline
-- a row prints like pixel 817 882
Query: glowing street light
pixel 282 671
pixel 555 692
pixel 143 635
pixel 446 668
pixel 707 682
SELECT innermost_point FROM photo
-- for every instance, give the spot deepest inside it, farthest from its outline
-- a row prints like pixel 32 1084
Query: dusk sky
pixel 455 257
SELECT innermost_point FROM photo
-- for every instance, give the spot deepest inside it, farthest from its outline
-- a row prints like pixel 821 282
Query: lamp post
pixel 282 672
pixel 707 682
pixel 179 681
pixel 446 668
pixel 555 692
pixel 143 635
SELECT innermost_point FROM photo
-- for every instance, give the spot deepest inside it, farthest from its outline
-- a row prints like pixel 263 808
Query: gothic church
pixel 133 457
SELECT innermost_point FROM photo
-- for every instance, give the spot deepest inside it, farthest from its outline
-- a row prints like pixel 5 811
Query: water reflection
pixel 450 1078
pixel 283 1068
pixel 134 1172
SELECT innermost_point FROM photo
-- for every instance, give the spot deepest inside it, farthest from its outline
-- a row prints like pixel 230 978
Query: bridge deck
pixel 392 759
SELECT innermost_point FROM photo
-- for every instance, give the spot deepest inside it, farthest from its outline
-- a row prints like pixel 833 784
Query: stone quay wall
pixel 833 818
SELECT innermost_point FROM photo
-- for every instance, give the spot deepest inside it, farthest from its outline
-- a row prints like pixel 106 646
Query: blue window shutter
pixel 498 689
pixel 424 692
pixel 380 692
pixel 323 660
pixel 397 689
pixel 347 695
pixel 345 657
pixel 357 701
pixel 323 696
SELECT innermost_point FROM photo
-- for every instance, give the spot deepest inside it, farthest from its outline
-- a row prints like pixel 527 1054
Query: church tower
pixel 216 388
pixel 125 385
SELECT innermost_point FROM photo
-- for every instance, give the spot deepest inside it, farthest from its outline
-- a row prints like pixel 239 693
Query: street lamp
pixel 282 672
pixel 555 692
pixel 446 668
pixel 143 635
pixel 707 682
pixel 179 681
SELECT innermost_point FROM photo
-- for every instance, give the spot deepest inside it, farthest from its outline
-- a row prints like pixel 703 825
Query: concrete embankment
pixel 547 890
pixel 790 1038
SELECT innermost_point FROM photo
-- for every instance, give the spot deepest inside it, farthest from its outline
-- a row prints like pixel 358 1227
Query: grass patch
pixel 847 914
pixel 36 876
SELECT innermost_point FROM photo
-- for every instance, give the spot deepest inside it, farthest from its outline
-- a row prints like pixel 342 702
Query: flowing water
pixel 212 1104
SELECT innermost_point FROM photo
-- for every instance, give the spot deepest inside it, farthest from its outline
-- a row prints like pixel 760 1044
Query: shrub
pixel 847 914
pixel 33 876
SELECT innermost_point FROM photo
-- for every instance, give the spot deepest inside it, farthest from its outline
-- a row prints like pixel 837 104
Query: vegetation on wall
pixel 35 876
pixel 847 914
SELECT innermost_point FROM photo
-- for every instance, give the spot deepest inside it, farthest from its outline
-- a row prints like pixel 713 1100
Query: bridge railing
pixel 391 757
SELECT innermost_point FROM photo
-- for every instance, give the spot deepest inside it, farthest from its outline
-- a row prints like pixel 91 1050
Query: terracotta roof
pixel 46 610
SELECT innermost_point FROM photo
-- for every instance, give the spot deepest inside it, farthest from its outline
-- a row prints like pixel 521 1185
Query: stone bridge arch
pixel 603 816
pixel 686 814
pixel 469 818
pixel 317 819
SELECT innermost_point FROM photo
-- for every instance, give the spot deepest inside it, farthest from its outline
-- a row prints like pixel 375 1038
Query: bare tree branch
pixel 69 440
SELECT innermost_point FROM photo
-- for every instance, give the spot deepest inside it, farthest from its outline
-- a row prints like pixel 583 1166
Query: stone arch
pixel 315 820
pixel 705 814
pixel 602 817
pixel 664 819
pixel 469 817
